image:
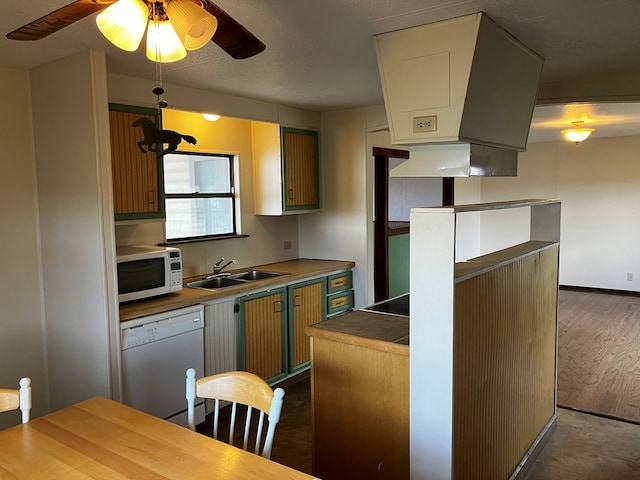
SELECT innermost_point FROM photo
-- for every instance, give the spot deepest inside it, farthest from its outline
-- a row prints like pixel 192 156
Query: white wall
pixel 22 349
pixel 598 183
pixel 70 119
pixel 408 192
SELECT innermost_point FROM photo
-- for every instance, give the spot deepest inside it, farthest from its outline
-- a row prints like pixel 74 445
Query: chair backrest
pixel 242 388
pixel 11 399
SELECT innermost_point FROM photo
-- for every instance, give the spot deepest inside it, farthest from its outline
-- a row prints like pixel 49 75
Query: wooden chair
pixel 13 399
pixel 238 388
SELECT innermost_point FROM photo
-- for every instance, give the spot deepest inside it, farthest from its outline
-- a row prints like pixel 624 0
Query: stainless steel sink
pixel 215 282
pixel 250 275
pixel 229 280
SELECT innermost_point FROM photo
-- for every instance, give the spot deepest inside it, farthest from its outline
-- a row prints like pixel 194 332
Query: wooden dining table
pixel 103 439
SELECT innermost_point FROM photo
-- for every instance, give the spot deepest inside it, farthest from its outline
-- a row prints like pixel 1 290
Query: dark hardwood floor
pixel 599 353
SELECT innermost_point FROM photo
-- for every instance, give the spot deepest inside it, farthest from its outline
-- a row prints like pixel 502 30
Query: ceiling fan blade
pixel 58 19
pixel 232 37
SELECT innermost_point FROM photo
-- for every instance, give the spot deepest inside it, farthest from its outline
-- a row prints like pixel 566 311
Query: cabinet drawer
pixel 339 282
pixel 339 302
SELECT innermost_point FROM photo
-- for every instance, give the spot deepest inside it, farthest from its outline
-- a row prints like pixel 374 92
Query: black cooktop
pixel 396 306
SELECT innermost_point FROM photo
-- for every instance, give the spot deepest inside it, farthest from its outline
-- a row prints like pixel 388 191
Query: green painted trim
pixel 314 134
pixel 241 328
pixel 399 265
pixel 161 212
pixel 343 288
pixel 323 282
pixel 348 306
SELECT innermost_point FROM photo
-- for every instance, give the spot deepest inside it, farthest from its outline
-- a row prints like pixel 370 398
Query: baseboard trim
pixel 538 445
pixel 600 290
pixel 600 414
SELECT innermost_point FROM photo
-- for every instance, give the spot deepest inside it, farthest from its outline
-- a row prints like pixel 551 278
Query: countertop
pixel 390 333
pixel 295 270
pixel 377 331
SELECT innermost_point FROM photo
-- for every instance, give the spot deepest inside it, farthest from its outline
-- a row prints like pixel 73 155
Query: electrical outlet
pixel 425 124
pixel 286 245
pixel 630 277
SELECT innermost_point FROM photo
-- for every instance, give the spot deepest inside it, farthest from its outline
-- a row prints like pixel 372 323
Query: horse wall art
pixel 153 136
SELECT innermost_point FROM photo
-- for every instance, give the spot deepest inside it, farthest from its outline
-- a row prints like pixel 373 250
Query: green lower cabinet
pixel 306 307
pixel 339 294
pixel 262 331
pixel 271 339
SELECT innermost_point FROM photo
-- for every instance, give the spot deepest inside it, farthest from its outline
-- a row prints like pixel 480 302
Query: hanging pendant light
pixel 124 23
pixel 193 24
pixel 577 134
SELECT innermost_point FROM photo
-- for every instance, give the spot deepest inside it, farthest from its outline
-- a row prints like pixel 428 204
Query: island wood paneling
pixel 360 403
pixel 504 364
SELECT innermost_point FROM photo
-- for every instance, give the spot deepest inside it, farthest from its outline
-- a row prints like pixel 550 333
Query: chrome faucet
pixel 217 268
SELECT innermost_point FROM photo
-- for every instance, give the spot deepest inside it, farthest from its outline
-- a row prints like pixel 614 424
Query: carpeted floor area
pixel 599 353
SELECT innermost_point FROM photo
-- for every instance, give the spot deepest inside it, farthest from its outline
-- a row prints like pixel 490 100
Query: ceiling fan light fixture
pixel 124 23
pixel 163 44
pixel 577 134
pixel 194 25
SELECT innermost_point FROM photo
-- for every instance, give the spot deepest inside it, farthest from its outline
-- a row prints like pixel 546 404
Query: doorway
pixel 391 230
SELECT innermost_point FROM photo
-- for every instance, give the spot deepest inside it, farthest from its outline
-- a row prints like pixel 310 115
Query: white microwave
pixel 147 271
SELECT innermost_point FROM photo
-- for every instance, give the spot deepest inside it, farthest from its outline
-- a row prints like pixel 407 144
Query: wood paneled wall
pixel 504 364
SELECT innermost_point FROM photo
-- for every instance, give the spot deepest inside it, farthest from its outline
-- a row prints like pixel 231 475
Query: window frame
pixel 231 158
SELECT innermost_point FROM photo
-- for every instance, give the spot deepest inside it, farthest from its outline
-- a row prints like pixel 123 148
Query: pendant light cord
pixel 158 89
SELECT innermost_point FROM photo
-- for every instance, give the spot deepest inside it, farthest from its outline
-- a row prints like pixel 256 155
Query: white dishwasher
pixel 157 350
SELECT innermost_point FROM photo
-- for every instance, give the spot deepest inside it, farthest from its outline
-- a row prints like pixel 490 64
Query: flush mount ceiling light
pixel 174 26
pixel 577 134
pixel 211 117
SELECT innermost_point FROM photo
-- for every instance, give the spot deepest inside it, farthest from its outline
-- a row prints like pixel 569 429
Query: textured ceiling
pixel 320 54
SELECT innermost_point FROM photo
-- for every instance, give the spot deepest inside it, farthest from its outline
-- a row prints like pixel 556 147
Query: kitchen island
pixel 502 366
pixel 360 396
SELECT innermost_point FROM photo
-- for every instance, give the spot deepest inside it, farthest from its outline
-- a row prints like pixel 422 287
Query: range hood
pixel 460 93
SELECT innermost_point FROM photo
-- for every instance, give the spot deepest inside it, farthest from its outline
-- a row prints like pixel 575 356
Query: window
pixel 199 195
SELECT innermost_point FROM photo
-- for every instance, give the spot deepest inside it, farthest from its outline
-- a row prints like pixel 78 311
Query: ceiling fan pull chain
pixel 157 90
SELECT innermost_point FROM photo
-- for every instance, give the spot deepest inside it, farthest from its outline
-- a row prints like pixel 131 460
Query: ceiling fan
pixel 232 37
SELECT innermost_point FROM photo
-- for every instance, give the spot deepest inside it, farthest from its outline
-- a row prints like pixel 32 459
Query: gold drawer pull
pixel 339 282
pixel 339 302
